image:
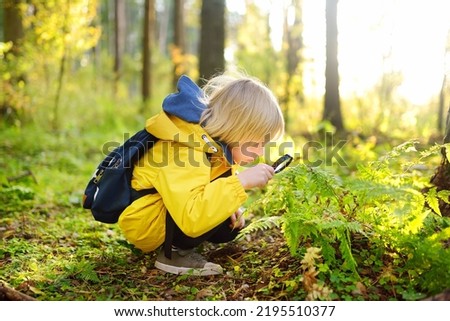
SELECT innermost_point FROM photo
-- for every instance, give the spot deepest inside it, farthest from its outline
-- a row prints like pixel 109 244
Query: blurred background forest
pixel 364 67
pixel 76 74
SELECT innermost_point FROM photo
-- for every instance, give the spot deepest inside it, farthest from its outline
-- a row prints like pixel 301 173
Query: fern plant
pixel 376 226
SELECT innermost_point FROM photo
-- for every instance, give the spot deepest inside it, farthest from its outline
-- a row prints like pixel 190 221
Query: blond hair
pixel 241 108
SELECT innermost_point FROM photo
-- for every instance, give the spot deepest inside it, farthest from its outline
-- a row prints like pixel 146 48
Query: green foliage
pixel 56 35
pixel 376 225
pixel 83 270
pixel 16 193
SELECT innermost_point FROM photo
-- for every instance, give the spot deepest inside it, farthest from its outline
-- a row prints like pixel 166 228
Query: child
pixel 203 136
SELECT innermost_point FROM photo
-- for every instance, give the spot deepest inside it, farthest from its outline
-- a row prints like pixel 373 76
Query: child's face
pixel 247 151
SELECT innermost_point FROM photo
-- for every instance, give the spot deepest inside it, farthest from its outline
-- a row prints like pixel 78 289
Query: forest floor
pixel 46 263
pixel 60 253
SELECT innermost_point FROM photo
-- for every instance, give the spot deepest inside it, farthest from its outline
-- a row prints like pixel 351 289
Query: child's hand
pixel 257 176
pixel 237 219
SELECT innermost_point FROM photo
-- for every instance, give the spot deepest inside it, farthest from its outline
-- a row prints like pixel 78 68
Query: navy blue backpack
pixel 109 190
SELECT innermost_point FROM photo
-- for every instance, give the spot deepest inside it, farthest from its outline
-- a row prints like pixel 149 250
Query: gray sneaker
pixel 186 262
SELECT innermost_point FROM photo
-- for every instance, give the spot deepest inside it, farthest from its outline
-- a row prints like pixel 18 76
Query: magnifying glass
pixel 282 163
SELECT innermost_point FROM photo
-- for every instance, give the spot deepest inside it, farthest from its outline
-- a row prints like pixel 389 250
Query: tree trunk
pixel 119 41
pixel 294 40
pixel 12 23
pixel 12 31
pixel 178 43
pixel 441 178
pixel 148 39
pixel 62 69
pixel 441 105
pixel 212 38
pixel 332 108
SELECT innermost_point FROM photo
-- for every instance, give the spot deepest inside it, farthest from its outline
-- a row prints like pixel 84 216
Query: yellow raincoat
pixel 186 180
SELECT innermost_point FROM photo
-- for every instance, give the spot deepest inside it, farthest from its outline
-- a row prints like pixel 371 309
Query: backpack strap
pixel 138 194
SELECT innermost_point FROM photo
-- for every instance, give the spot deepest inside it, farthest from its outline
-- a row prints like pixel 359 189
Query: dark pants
pixel 220 234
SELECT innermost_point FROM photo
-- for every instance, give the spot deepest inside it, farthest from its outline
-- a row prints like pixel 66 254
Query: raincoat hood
pixel 180 118
pixel 187 102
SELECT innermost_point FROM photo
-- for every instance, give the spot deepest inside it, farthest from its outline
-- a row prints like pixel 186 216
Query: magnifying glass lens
pixel 282 163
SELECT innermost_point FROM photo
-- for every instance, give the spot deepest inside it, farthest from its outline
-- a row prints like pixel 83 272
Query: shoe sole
pixel 181 270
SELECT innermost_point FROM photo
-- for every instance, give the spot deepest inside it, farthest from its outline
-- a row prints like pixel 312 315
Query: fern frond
pixel 433 150
pixel 432 200
pixel 323 183
pixel 89 275
pixel 406 147
pixel 346 251
pixel 444 196
pixel 263 223
pixel 371 191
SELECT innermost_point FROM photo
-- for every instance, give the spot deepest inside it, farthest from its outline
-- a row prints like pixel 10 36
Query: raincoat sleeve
pixel 196 204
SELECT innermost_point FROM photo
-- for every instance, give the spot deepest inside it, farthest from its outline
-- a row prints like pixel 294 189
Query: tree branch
pixel 9 294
